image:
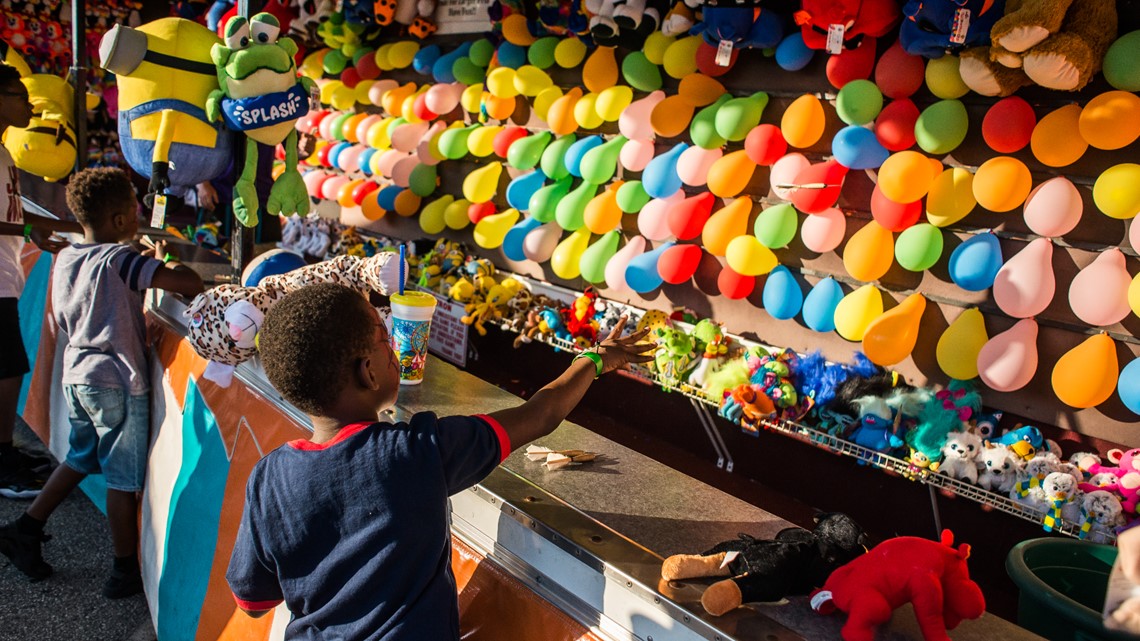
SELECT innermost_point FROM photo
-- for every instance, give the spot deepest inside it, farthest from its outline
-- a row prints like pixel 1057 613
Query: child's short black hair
pixel 8 74
pixel 94 194
pixel 310 342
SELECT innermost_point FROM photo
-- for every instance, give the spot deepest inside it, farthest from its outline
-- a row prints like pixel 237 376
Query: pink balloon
pixel 406 137
pixel 1134 235
pixel 364 125
pixel 1054 207
pixel 1008 361
pixel 784 172
pixel 376 91
pixel 824 231
pixel 539 244
pixel 423 150
pixel 615 269
pixel 694 163
pixel 1099 293
pixel 653 219
pixel 402 172
pixel 330 188
pixel 313 180
pixel 441 99
pixel 634 121
pixel 387 161
pixel 325 128
pixel 348 159
pixel 1025 284
pixel 636 154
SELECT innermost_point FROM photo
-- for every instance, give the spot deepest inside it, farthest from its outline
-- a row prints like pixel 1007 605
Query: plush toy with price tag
pixel 728 27
pixel 934 29
pixel 847 29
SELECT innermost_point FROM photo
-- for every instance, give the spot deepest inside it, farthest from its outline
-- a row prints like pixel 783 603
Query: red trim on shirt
pixel 504 440
pixel 344 433
pixel 256 606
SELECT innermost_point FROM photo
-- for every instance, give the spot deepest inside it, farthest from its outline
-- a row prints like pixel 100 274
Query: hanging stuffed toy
pixel 726 28
pixel 847 30
pixel 932 29
pixel 46 147
pixel 261 96
pixel 164 75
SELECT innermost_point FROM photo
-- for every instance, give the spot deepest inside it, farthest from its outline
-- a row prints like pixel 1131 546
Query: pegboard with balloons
pixel 908 193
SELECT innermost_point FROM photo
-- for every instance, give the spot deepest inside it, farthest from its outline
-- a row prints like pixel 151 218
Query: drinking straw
pixel 401 270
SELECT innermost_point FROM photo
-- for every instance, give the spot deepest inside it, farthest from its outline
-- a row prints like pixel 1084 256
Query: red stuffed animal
pixel 848 20
pixel 930 575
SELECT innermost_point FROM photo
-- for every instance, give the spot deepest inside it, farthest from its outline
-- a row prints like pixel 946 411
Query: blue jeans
pixel 110 432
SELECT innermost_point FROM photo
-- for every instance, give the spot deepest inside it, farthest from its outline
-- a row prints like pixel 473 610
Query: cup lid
pixel 413 299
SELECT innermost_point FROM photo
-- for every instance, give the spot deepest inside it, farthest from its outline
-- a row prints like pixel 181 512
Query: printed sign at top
pixel 462 16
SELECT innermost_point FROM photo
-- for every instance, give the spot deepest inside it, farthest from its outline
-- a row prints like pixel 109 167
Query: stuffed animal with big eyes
pixel 960 456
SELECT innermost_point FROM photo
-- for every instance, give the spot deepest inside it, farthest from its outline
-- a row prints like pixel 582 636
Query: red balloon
pixel 687 218
pixel 419 108
pixel 678 263
pixel 899 74
pixel 366 67
pixel 279 152
pixel 1008 125
pixel 350 77
pixel 706 60
pixel 323 155
pixel 894 216
pixel 505 138
pixel 479 211
pixel 362 190
pixel 733 285
pixel 895 125
pixel 819 188
pixel 852 64
pixel 765 145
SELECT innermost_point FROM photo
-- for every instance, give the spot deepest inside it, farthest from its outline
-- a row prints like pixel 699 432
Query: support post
pixel 79 78
pixel 241 245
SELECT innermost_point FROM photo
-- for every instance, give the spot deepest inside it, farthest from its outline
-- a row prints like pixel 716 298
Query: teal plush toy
pixel 261 96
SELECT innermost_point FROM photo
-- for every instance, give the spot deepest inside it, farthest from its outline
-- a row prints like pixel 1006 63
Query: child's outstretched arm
pixel 551 405
pixel 174 276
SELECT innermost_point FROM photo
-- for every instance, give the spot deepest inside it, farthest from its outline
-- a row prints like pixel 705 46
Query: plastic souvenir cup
pixel 411 322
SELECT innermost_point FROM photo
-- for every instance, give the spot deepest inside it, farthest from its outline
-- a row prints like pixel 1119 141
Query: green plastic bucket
pixel 1062 585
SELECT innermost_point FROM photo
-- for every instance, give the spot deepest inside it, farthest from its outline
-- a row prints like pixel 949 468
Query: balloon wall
pixel 884 206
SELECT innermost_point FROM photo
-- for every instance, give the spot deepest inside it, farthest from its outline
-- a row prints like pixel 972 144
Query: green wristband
pixel 27 232
pixel 593 356
pixel 169 258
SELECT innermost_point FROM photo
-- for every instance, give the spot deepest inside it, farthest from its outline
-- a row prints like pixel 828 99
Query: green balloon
pixel 544 201
pixel 541 53
pixel 942 127
pixel 640 73
pixel 468 72
pixel 631 197
pixel 859 102
pixel 526 152
pixel 481 52
pixel 453 142
pixel 702 130
pixel 338 125
pixel 422 180
pixel 738 116
pixel 570 213
pixel 594 259
pixel 334 62
pixel 600 163
pixel 553 161
pixel 776 226
pixel 1121 69
pixel 919 247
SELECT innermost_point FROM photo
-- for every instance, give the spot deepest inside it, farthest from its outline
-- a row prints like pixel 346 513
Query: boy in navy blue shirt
pixel 350 528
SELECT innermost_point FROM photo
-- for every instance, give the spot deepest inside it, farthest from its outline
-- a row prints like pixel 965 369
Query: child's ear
pixel 365 375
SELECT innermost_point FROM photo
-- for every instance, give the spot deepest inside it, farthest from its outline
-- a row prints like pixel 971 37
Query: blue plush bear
pixel 742 26
pixel 933 28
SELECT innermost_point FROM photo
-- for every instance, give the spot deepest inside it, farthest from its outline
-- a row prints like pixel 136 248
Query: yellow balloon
pixel 680 58
pixel 1054 141
pixel 501 83
pixel 516 31
pixel 491 230
pixel 869 253
pixel 611 102
pixel 655 46
pixel 1086 375
pixel 480 185
pixel 455 215
pixel 561 114
pixel 748 257
pixel 407 203
pixel 377 136
pixel 1117 191
pixel 1002 184
pixel 401 54
pixel 568 254
pixel 905 177
pixel 803 122
pixel 327 89
pixel 1111 120
pixel 856 311
pixel 699 89
pixel 569 53
pixel 958 348
pixel 342 97
pixel 314 159
pixel 601 71
pixel 482 140
pixel 360 91
pixel 890 338
pixel 951 197
pixel 472 98
pixel 382 59
pixel 530 80
pixel 544 100
pixel 408 109
pixel 431 218
pixel 311 65
pixel 943 78
pixel 586 112
pixel 1134 295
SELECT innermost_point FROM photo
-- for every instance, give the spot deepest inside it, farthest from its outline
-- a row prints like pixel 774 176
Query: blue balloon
pixel 975 263
pixel 1128 385
pixel 425 59
pixel 641 274
pixel 441 69
pixel 522 188
pixel 792 54
pixel 577 151
pixel 513 241
pixel 511 55
pixel 365 157
pixel 386 197
pixel 271 263
pixel 660 178
pixel 334 154
pixel 782 296
pixel 857 147
pixel 820 304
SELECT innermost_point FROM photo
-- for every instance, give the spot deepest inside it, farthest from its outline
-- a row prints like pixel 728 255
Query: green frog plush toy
pixel 261 96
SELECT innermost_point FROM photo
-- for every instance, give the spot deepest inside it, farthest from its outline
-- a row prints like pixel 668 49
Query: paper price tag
pixel 158 213
pixel 314 98
pixel 724 53
pixel 961 26
pixel 835 34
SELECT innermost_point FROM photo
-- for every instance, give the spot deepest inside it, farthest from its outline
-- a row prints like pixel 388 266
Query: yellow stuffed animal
pixel 46 147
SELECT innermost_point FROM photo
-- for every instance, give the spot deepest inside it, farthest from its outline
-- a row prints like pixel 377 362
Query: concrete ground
pixel 68 606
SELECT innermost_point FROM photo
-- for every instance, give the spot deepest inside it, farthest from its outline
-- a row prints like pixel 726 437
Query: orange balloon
pixel 869 253
pixel 1002 184
pixel 905 177
pixel 600 72
pixel 700 90
pixel 725 225
pixel 890 338
pixel 561 114
pixel 393 100
pixel 344 196
pixel 498 108
pixel 1055 141
pixel 602 213
pixel 349 127
pixel 730 174
pixel 1086 375
pixel 803 122
pixel 1111 120
pixel 671 117
pixel 936 167
pixel 407 203
pixel 370 207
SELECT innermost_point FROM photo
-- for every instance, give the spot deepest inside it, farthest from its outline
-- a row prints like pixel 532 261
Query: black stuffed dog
pixel 793 564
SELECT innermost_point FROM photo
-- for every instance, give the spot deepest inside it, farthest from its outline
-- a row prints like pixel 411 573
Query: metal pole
pixel 79 78
pixel 241 245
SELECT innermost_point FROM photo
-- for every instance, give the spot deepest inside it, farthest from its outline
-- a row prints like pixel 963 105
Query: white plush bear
pixel 1000 468
pixel 960 456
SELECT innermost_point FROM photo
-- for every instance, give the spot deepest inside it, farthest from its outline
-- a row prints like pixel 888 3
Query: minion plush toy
pixel 165 75
pixel 46 147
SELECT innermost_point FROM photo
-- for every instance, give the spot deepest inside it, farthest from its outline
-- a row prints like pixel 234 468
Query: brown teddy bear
pixel 1057 44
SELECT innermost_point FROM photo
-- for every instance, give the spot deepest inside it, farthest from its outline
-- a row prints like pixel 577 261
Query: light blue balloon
pixel 782 296
pixel 425 59
pixel 641 273
pixel 365 157
pixel 511 55
pixel 975 263
pixel 522 188
pixel 513 241
pixel 1128 386
pixel 441 68
pixel 386 197
pixel 857 147
pixel 792 54
pixel 660 177
pixel 334 154
pixel 820 304
pixel 577 151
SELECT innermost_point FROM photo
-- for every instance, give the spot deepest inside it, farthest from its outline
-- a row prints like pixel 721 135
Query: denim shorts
pixel 110 433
